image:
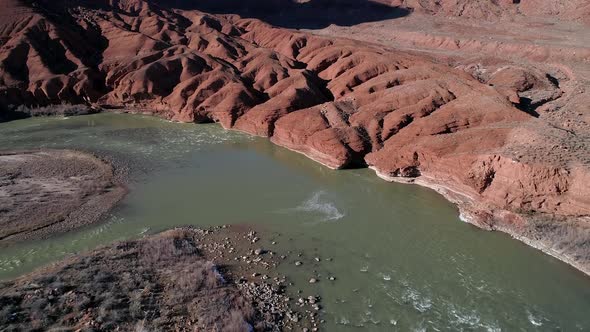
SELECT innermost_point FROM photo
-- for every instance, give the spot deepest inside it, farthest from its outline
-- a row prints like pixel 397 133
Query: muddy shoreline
pixel 44 192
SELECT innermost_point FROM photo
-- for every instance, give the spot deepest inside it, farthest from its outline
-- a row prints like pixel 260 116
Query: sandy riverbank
pixel 43 192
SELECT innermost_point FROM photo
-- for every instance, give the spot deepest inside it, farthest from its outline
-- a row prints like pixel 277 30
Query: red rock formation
pixel 340 102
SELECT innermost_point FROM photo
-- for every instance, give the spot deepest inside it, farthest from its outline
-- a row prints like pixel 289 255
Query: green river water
pixel 402 258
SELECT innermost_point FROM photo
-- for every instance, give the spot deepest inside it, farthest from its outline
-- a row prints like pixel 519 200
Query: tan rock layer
pixel 486 9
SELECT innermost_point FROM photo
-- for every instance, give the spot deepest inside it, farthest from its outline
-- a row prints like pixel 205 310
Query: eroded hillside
pixel 340 101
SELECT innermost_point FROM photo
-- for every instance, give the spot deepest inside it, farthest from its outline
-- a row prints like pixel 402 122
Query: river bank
pixel 207 279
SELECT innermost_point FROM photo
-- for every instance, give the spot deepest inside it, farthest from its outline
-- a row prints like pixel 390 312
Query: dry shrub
pixel 165 249
pixel 63 109
pixel 571 237
pixel 154 284
pixel 234 323
pixel 187 282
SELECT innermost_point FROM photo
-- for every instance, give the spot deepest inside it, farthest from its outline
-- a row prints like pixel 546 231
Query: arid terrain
pixel 43 192
pixel 484 101
pixel 183 280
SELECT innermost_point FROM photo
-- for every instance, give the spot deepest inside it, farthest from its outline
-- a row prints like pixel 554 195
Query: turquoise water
pixel 401 257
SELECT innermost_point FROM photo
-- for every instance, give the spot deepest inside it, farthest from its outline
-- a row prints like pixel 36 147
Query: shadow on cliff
pixel 314 14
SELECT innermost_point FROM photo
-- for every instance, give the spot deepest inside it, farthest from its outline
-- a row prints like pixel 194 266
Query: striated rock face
pixel 341 102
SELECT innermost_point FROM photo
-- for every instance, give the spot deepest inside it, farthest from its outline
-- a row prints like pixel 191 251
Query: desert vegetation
pixel 565 236
pixel 63 109
pixel 158 283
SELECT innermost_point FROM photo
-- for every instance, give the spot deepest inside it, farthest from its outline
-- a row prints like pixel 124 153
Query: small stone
pixel 255 274
pixel 317 259
pixel 313 280
pixel 332 278
pixel 259 251
pixel 316 307
pixel 298 263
